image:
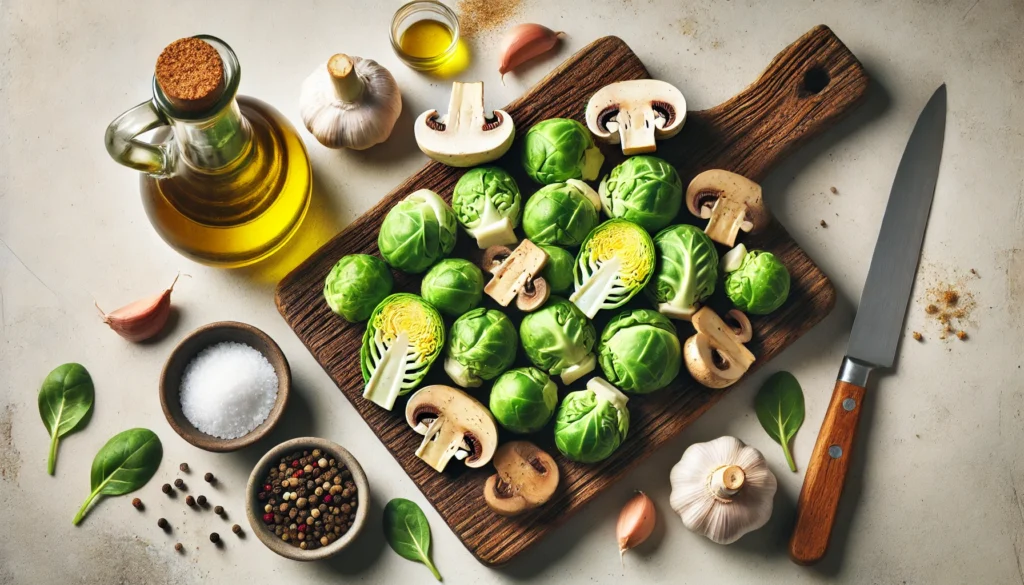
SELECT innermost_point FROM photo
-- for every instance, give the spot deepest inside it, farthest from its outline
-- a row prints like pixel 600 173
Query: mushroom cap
pixel 715 356
pixel 526 478
pixel 473 419
pixel 650 105
pixel 710 185
pixel 465 136
pixel 533 295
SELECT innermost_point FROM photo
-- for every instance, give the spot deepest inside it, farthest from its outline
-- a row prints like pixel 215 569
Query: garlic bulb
pixel 350 102
pixel 722 489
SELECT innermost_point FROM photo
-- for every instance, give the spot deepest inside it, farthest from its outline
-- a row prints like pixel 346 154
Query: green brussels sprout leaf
pixel 559 339
pixel 487 203
pixel 760 285
pixel 639 351
pixel 615 262
pixel 523 400
pixel 559 149
pixel 561 214
pixel 481 345
pixel 592 423
pixel 645 190
pixel 686 271
pixel 558 271
pixel 453 286
pixel 357 284
pixel 417 232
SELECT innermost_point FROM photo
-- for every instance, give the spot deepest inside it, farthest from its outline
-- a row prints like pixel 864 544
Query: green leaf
pixel 408 533
pixel 123 465
pixel 780 408
pixel 65 402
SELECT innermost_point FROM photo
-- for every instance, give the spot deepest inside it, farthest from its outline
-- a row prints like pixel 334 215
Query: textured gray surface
pixel 933 497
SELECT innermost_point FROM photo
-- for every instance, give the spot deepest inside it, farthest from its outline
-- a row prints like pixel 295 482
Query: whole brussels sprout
pixel 453 286
pixel 561 214
pixel 356 284
pixel 417 232
pixel 481 345
pixel 615 262
pixel 558 271
pixel 523 400
pixel 487 203
pixel 645 190
pixel 559 149
pixel 559 339
pixel 686 271
pixel 403 338
pixel 592 423
pixel 760 285
pixel 639 351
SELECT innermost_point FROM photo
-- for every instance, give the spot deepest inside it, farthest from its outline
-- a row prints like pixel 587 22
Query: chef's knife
pixel 876 329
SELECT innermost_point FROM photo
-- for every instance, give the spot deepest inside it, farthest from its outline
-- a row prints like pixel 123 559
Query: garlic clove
pixel 141 319
pixel 524 42
pixel 636 522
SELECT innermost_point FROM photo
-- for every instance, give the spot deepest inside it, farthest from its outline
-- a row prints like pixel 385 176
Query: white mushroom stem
pixel 726 481
pixel 343 74
pixel 440 443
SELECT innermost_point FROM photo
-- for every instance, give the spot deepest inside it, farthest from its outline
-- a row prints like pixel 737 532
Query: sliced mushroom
pixel 636 113
pixel 453 424
pixel 516 275
pixel 465 136
pixel 526 478
pixel 732 202
pixel 743 330
pixel 715 355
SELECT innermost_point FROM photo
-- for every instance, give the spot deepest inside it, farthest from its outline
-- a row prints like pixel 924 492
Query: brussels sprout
pixel 453 286
pixel 592 423
pixel 487 203
pixel 760 285
pixel 639 351
pixel 615 262
pixel 403 338
pixel 558 271
pixel 417 232
pixel 645 190
pixel 686 271
pixel 561 214
pixel 481 345
pixel 559 149
pixel 559 339
pixel 355 285
pixel 523 400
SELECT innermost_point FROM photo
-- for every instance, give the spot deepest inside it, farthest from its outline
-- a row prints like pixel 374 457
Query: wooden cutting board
pixel 805 90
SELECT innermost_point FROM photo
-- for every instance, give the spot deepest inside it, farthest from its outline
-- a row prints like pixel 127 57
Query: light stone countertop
pixel 933 496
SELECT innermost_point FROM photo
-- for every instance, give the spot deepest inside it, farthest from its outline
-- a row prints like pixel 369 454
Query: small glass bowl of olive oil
pixel 424 34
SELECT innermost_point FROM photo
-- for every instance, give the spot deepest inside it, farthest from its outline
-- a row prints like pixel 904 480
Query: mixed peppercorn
pixel 308 499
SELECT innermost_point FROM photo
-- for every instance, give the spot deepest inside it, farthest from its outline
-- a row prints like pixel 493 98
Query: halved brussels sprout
pixel 592 423
pixel 453 286
pixel 615 262
pixel 356 284
pixel 403 338
pixel 481 345
pixel 561 214
pixel 559 339
pixel 645 190
pixel 558 271
pixel 686 271
pixel 760 285
pixel 523 400
pixel 418 231
pixel 639 351
pixel 487 203
pixel 559 149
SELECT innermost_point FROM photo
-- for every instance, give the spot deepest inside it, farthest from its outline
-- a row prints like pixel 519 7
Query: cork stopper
pixel 191 74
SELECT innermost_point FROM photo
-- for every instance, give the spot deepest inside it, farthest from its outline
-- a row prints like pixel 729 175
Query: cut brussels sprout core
pixel 403 338
pixel 592 423
pixel 417 232
pixel 559 339
pixel 686 271
pixel 488 204
pixel 615 262
pixel 482 345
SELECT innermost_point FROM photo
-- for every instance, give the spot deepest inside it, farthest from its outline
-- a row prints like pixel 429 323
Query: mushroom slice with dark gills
pixel 731 202
pixel 453 424
pixel 526 478
pixel 636 113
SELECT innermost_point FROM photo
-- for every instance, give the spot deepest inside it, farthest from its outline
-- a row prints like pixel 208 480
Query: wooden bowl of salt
pixel 225 386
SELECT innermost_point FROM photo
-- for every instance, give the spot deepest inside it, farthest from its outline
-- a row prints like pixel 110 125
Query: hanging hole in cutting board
pixel 815 80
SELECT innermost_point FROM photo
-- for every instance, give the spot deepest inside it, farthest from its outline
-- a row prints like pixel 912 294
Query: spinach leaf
pixel 780 408
pixel 123 465
pixel 408 533
pixel 65 402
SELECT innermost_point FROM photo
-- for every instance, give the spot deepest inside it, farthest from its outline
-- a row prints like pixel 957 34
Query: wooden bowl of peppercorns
pixel 307 499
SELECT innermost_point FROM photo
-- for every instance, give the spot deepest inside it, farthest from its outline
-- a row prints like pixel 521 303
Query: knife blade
pixel 876 329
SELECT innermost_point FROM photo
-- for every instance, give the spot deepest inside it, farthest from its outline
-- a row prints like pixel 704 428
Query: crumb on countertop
pixel 917 336
pixel 931 309
pixel 823 224
pixel 961 335
pixel 833 190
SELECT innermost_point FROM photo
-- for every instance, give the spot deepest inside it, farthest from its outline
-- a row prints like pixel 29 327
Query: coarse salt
pixel 228 390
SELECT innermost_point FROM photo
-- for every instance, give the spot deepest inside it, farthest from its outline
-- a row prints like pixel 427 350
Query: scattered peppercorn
pixel 961 335
pixel 214 537
pixel 162 523
pixel 201 500
pixel 917 336
pixel 179 483
pixel 209 477
pixel 218 510
pixel 189 500
pixel 166 488
pixel 833 190
pixel 823 224
pixel 137 503
pixel 236 529
pixel 178 547
pixel 183 467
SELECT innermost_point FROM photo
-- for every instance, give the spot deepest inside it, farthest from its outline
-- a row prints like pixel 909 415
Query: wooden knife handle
pixel 826 475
